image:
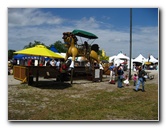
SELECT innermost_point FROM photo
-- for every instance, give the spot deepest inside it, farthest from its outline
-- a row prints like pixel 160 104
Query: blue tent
pixel 52 48
pixel 21 56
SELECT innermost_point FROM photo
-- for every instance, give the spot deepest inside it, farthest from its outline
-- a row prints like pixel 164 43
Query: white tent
pixel 140 59
pixel 111 59
pixel 122 56
pixel 119 59
pixel 64 55
pixel 152 59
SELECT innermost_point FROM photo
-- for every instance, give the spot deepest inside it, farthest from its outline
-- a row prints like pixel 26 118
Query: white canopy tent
pixel 111 59
pixel 122 56
pixel 152 59
pixel 140 59
pixel 119 59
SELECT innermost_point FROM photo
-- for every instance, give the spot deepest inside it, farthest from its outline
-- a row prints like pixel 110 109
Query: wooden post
pixel 71 77
pixel 37 76
pixel 101 75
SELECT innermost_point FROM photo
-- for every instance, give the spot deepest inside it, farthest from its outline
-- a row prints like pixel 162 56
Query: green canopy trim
pixel 85 34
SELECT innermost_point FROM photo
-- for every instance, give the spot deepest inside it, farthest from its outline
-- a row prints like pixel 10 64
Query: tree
pixel 59 46
pixel 30 45
pixel 10 54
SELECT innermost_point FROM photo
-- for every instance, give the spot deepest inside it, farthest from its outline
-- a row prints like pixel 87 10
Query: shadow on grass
pixel 51 85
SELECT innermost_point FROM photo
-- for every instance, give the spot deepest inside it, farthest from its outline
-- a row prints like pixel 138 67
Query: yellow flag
pixel 103 53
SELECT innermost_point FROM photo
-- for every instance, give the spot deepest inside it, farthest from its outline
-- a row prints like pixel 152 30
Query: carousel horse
pixel 70 42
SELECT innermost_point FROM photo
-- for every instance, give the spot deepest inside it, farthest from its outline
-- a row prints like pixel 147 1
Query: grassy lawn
pixel 81 103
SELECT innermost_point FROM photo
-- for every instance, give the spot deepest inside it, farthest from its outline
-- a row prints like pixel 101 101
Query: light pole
pixel 130 42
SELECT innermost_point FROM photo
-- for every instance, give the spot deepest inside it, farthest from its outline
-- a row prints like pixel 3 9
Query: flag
pixel 103 53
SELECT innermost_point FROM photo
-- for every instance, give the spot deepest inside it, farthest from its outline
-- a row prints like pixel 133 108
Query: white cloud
pixel 145 39
pixel 30 17
pixel 86 23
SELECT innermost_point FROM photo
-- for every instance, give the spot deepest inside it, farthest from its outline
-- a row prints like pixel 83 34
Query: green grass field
pixel 81 103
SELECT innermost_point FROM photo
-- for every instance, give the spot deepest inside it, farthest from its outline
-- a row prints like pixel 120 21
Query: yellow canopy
pixel 39 50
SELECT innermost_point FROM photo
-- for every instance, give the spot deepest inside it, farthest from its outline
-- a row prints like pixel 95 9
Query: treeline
pixel 58 45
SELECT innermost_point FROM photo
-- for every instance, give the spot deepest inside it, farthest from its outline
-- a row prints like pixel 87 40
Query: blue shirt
pixel 111 67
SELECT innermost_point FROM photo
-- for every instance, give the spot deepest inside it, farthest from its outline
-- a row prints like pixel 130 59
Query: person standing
pixel 120 76
pixel 58 64
pixel 48 63
pixel 101 70
pixel 112 74
pixel 63 71
pixel 135 79
pixel 53 62
pixel 141 79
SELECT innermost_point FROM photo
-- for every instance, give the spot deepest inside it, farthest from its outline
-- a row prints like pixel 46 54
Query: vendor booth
pixel 25 73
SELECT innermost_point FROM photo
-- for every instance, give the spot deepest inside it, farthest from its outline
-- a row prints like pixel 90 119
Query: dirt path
pixel 85 83
pixel 12 81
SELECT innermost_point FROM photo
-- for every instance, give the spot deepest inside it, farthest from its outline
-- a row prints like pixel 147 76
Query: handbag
pixel 145 76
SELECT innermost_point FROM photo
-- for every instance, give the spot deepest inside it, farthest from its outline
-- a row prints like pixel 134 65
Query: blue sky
pixel 111 25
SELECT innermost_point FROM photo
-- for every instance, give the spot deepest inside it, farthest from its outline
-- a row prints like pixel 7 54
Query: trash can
pixel 30 80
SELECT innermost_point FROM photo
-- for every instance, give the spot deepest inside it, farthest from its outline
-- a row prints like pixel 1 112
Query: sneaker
pixel 135 90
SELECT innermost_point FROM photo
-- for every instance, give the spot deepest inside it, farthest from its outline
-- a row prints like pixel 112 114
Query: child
pixel 135 79
pixel 126 82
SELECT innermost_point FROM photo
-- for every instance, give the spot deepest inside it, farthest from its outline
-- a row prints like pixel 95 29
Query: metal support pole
pixel 130 43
